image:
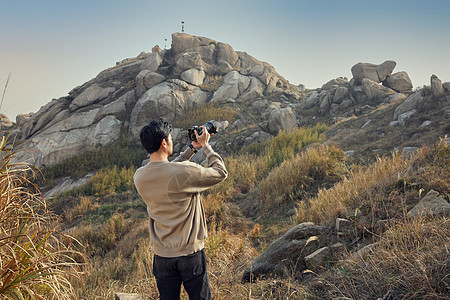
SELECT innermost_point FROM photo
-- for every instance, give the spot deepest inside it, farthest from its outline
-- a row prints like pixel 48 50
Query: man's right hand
pixel 204 138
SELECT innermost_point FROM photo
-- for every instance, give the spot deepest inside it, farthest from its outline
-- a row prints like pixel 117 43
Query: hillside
pixel 321 199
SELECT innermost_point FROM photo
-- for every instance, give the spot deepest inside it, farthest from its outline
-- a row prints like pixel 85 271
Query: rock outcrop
pixel 377 73
pixel 399 82
pixel 5 121
pixel 162 83
pixel 289 249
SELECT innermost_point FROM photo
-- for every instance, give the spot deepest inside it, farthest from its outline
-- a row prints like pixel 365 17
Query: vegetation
pixel 212 83
pixel 36 260
pixel 125 152
pixel 203 114
pixel 287 144
pixel 301 176
pixel 109 219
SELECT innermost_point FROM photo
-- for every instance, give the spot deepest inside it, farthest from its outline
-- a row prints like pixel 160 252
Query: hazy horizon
pixel 51 46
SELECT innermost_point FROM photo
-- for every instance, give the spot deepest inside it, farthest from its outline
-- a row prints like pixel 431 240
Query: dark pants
pixel 189 270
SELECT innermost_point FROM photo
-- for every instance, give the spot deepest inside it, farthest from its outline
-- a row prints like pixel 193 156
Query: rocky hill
pixel 163 83
pixel 376 111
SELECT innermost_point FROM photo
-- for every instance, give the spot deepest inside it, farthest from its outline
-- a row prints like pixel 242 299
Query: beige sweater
pixel 171 191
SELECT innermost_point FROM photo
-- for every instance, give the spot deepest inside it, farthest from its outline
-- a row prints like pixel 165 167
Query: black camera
pixel 210 126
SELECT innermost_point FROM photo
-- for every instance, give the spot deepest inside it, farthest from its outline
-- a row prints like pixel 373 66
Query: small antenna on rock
pixel 165 44
pixel 182 26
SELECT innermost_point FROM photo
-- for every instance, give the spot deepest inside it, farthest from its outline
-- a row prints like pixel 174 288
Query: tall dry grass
pixel 296 178
pixel 287 144
pixel 386 180
pixel 36 261
pixel 412 260
pixel 333 202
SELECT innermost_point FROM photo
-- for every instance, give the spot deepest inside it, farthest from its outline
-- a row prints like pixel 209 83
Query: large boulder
pixel 334 83
pixel 71 136
pixel 282 119
pixel 340 94
pixel 146 80
pixel 371 88
pixel 436 87
pixel 46 116
pixel 254 90
pixel 399 82
pixel 91 95
pixel 5 121
pixel 193 76
pixel 376 73
pixel 234 84
pixel 313 100
pixel 120 74
pixel 286 251
pixel 152 62
pixel 168 100
pixel 189 60
pixel 432 204
pixel 408 104
pixel 226 53
pixel 118 107
pixel 183 41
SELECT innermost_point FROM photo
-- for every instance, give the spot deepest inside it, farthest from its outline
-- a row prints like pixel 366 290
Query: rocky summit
pixel 375 111
pixel 162 83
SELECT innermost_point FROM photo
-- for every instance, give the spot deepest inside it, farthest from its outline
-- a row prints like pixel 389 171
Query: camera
pixel 210 126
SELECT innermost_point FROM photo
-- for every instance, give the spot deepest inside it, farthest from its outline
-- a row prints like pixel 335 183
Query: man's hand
pixel 203 139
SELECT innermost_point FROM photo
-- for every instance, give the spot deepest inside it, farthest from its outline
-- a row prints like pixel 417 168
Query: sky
pixel 48 47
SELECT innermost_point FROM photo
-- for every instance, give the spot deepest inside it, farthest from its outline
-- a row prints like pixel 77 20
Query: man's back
pixel 171 192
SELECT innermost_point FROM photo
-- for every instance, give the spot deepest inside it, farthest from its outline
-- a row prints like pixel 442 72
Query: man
pixel 171 191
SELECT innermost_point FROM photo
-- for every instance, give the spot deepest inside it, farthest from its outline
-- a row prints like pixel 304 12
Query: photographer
pixel 171 191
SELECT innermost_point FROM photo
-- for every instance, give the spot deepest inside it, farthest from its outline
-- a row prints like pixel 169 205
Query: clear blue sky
pixel 52 46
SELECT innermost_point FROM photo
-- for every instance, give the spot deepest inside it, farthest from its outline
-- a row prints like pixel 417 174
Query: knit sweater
pixel 171 191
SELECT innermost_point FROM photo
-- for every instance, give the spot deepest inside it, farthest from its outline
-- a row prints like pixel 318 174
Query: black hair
pixel 153 133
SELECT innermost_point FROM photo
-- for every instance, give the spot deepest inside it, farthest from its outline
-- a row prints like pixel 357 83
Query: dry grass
pixel 212 83
pixel 378 185
pixel 86 204
pixel 412 260
pixel 334 202
pixel 205 113
pixel 36 261
pixel 286 145
pixel 294 179
pixel 245 172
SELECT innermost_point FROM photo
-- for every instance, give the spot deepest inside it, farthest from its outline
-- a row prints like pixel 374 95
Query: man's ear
pixel 163 143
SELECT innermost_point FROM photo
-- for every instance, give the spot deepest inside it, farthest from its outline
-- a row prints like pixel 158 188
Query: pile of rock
pixel 371 84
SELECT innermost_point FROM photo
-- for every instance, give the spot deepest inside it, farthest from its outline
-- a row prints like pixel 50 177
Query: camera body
pixel 210 126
